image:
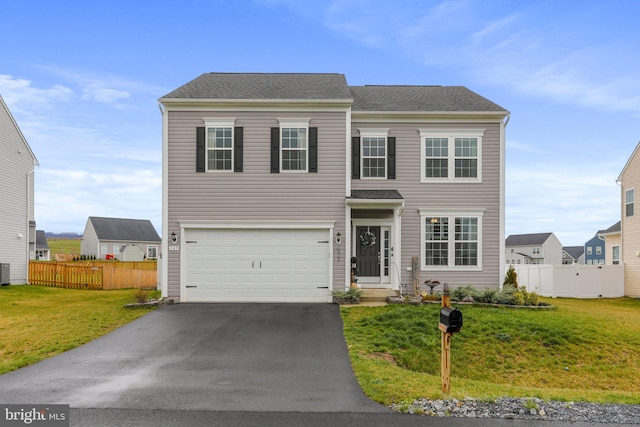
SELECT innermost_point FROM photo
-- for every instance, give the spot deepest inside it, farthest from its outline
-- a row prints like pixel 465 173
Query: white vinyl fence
pixel 572 281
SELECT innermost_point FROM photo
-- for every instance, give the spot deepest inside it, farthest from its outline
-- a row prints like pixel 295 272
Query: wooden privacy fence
pixel 89 276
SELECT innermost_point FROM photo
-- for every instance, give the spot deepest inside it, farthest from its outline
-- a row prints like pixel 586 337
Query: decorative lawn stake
pixel 450 322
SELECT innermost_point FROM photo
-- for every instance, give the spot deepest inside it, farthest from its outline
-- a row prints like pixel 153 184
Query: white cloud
pixel 124 193
pixel 103 95
pixel 23 98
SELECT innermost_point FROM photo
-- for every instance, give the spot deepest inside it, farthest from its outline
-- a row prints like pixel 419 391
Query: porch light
pixel 434 220
pixel 174 238
pixel 338 238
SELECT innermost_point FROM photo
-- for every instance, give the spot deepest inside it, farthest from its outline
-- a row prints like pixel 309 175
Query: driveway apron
pixel 222 357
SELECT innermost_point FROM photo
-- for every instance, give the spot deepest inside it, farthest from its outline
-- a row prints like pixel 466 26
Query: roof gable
pixel 574 252
pixel 624 169
pixel 4 111
pixel 527 239
pixel 122 229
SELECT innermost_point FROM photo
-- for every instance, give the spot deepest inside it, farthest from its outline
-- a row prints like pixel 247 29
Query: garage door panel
pixel 261 265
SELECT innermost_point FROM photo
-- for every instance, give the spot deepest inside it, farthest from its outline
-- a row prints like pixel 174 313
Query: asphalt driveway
pixel 213 357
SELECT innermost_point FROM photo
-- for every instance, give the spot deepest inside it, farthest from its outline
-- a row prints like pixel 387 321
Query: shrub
pixel 458 294
pixel 511 278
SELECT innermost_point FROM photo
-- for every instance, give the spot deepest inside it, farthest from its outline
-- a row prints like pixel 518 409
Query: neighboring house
pixel 105 237
pixel 629 181
pixel 595 250
pixel 612 243
pixel 17 219
pixel 573 255
pixel 273 182
pixel 42 252
pixel 536 248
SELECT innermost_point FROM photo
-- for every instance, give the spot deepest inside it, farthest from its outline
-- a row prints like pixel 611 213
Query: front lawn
pixel 40 322
pixel 582 350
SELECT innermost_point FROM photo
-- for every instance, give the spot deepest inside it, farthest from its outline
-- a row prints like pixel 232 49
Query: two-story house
pixel 17 218
pixel 535 248
pixel 274 183
pixel 629 181
pixel 594 250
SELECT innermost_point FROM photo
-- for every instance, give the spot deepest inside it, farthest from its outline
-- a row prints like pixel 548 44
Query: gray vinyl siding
pixel 16 210
pixel 255 194
pixel 472 196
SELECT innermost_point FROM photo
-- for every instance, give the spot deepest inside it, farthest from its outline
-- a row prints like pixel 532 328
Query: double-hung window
pixel 374 155
pixel 629 202
pixel 294 145
pixel 451 155
pixel 219 137
pixel 451 240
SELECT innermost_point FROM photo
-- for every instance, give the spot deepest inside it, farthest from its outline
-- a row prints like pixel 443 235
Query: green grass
pixel 40 322
pixel 581 350
pixel 63 246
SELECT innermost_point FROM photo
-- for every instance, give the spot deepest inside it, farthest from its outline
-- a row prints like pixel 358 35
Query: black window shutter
pixel 391 157
pixel 355 157
pixel 200 149
pixel 237 148
pixel 275 150
pixel 313 149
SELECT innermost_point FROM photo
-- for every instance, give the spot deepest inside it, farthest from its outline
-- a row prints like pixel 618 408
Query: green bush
pixel 509 295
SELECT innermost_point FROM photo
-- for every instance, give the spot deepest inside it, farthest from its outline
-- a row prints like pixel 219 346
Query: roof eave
pixel 484 115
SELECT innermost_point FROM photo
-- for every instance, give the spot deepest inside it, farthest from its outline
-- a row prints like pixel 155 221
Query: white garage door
pixel 264 265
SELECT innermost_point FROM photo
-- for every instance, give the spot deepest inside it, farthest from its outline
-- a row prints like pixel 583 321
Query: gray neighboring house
pixel 17 218
pixel 105 237
pixel 273 182
pixel 42 252
pixel 573 255
pixel 535 248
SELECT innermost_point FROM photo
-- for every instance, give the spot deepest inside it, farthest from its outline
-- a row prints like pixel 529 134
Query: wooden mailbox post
pixel 450 322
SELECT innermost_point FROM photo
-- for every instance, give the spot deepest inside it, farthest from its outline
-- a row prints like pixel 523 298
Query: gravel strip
pixel 526 409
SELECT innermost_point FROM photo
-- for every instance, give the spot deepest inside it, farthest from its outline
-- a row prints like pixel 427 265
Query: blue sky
pixel 82 80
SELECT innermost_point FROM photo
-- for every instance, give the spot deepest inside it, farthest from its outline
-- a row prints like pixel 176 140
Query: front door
pixel 368 252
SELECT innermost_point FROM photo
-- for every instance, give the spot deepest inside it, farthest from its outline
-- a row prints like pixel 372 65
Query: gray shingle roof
pixel 615 228
pixel 574 251
pixel 376 194
pixel 420 98
pixel 41 240
pixel 122 229
pixel 332 86
pixel 527 239
pixel 265 86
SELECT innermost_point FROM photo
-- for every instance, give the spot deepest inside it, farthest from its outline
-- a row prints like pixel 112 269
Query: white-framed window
pixel 615 254
pixel 103 249
pixel 294 145
pixel 219 144
pixel 536 251
pixel 598 250
pixel 451 155
pixel 451 240
pixel 629 202
pixel 116 248
pixel 152 251
pixel 589 250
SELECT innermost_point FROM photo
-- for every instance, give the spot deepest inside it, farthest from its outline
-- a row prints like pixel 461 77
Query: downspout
pixel 502 219
pixel 29 196
pixel 164 260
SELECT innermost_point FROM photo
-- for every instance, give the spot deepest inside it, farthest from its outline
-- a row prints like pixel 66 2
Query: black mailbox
pixel 451 319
